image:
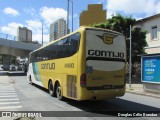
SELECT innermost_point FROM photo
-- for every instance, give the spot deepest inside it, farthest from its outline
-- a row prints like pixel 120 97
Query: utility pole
pixel 72 14
pixel 130 58
pixel 67 16
pixel 42 31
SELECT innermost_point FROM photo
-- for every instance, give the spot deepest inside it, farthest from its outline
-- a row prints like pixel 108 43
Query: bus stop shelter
pixel 150 72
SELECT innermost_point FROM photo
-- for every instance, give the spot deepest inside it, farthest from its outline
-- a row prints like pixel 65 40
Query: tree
pixel 122 24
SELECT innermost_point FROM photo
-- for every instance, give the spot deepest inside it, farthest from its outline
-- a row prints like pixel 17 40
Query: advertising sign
pixel 151 69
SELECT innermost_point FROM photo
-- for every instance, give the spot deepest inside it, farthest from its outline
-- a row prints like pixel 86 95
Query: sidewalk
pixel 4 80
pixel 139 89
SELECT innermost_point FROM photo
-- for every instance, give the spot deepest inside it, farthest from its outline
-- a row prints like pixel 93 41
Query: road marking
pixel 9 103
pixel 7 90
pixel 14 99
pixel 9 98
pixel 3 96
pixel 10 107
pixel 7 94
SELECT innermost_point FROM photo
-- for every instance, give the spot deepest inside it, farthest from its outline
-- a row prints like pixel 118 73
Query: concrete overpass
pixel 9 48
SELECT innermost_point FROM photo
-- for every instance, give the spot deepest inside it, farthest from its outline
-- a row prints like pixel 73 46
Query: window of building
pixel 154 32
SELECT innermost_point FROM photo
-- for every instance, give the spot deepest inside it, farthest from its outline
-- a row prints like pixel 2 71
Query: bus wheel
pixel 50 88
pixel 30 79
pixel 59 92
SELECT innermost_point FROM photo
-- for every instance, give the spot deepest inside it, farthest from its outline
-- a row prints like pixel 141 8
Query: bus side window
pixel 65 47
pixel 74 42
pixel 53 50
pixel 65 41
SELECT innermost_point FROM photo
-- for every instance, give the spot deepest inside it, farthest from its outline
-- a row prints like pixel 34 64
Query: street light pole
pixel 72 14
pixel 130 58
pixel 67 16
pixel 42 31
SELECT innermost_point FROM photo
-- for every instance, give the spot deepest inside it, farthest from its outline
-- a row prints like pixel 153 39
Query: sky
pixel 31 13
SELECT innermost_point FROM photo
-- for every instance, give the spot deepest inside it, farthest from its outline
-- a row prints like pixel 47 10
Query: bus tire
pixel 30 79
pixel 50 88
pixel 59 92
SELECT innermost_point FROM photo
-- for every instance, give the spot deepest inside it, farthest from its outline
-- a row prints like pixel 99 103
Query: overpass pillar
pixel 6 61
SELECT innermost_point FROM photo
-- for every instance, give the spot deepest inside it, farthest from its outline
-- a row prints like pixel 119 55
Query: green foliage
pixel 122 24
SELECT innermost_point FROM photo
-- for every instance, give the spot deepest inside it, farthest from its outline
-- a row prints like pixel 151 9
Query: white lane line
pixel 3 96
pixel 7 91
pixel 9 103
pixel 7 94
pixel 10 107
pixel 9 99
pixel 1 100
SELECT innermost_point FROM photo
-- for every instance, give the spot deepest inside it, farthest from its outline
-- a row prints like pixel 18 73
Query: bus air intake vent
pixel 71 86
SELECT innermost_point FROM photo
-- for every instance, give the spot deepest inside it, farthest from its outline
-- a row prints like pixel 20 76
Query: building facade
pixel 24 34
pixel 94 14
pixel 58 29
pixel 152 26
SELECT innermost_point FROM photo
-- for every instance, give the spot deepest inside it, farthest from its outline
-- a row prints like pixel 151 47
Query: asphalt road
pixel 35 98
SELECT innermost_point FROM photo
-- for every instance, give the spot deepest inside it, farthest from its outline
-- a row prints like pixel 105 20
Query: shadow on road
pixel 39 87
pixel 113 106
pixel 107 107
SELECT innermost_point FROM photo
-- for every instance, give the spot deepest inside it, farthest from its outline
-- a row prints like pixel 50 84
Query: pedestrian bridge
pixel 16 48
pixel 10 48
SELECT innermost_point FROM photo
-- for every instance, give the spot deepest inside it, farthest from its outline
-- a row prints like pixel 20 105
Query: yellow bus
pixel 88 64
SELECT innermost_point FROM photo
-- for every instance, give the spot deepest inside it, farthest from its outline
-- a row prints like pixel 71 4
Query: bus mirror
pixel 65 41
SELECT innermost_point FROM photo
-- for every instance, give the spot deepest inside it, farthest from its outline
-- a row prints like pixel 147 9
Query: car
pixel 1 67
pixel 13 67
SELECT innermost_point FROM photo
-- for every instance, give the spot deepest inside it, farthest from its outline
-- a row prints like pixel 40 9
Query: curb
pixel 150 95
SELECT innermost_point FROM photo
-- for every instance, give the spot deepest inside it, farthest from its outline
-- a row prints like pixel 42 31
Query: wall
pixel 153 45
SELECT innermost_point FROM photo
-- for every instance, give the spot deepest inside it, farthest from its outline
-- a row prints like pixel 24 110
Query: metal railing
pixel 13 38
pixel 7 36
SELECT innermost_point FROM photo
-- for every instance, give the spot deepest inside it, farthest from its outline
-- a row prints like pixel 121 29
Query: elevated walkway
pixel 16 48
pixel 19 45
pixel 9 48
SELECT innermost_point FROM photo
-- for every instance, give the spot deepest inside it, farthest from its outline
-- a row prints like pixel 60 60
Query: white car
pixel 13 67
pixel 1 67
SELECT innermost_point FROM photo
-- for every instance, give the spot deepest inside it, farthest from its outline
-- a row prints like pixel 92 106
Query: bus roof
pixel 79 29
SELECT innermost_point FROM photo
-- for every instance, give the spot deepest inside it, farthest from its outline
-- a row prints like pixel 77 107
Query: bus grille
pixel 71 86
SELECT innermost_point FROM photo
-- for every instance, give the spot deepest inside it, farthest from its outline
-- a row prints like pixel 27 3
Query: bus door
pixel 105 59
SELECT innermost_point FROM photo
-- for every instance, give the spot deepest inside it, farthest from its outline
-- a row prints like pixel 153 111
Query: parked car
pixel 1 67
pixel 13 67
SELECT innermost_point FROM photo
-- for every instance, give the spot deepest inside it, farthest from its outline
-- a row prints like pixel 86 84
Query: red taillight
pixel 83 80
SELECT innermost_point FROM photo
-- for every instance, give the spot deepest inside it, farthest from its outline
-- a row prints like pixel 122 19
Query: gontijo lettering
pixel 48 66
pixel 106 53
